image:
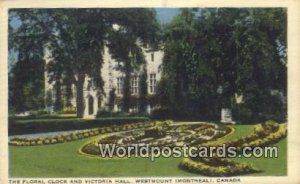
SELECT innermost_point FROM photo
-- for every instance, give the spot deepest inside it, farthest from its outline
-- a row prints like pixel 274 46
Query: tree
pixel 49 101
pixel 76 38
pixel 263 75
pixel 112 99
pixel 58 104
pixel 82 33
pixel 67 82
pixel 143 90
pixel 213 54
pixel 138 27
pixel 187 78
pixel 26 78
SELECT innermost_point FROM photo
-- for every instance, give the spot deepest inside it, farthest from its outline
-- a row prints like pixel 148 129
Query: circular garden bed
pixel 162 134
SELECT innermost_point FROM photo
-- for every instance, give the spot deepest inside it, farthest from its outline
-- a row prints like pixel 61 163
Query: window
pixel 152 56
pixel 90 84
pixel 152 82
pixel 134 85
pixel 119 85
pixel 53 93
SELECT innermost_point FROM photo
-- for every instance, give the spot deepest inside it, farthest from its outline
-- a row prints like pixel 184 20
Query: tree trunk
pixel 126 88
pixel 143 93
pixel 80 98
pixel 58 101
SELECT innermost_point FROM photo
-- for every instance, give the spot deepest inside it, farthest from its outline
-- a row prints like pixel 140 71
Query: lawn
pixel 63 160
pixel 271 166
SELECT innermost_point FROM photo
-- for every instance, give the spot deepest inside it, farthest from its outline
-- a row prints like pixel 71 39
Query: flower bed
pixel 264 134
pixel 217 167
pixel 164 133
pixel 78 135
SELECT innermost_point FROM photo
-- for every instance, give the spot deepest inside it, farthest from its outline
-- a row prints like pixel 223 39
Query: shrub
pixel 162 113
pixel 68 110
pixel 108 130
pixel 241 113
pixel 75 136
pixel 53 141
pixel 90 149
pixel 107 114
pixel 60 139
pixel 116 129
pixel 96 132
pixel 68 138
pixel 18 126
pixel 46 141
pixel 102 130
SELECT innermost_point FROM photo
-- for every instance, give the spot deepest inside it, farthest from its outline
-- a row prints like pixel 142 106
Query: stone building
pixel 112 78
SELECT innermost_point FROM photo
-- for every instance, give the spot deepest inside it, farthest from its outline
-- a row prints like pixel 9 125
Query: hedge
pixel 78 135
pixel 43 116
pixel 17 127
pixel 108 114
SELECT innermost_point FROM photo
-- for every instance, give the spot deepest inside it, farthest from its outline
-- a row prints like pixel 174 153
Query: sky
pixel 165 15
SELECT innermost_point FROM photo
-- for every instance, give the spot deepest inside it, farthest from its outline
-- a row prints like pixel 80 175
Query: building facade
pixel 113 79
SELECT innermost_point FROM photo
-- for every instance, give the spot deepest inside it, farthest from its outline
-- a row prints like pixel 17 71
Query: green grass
pixel 240 131
pixel 270 166
pixel 63 160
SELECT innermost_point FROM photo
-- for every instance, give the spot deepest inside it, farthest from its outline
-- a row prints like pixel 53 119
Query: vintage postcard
pixel 150 92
